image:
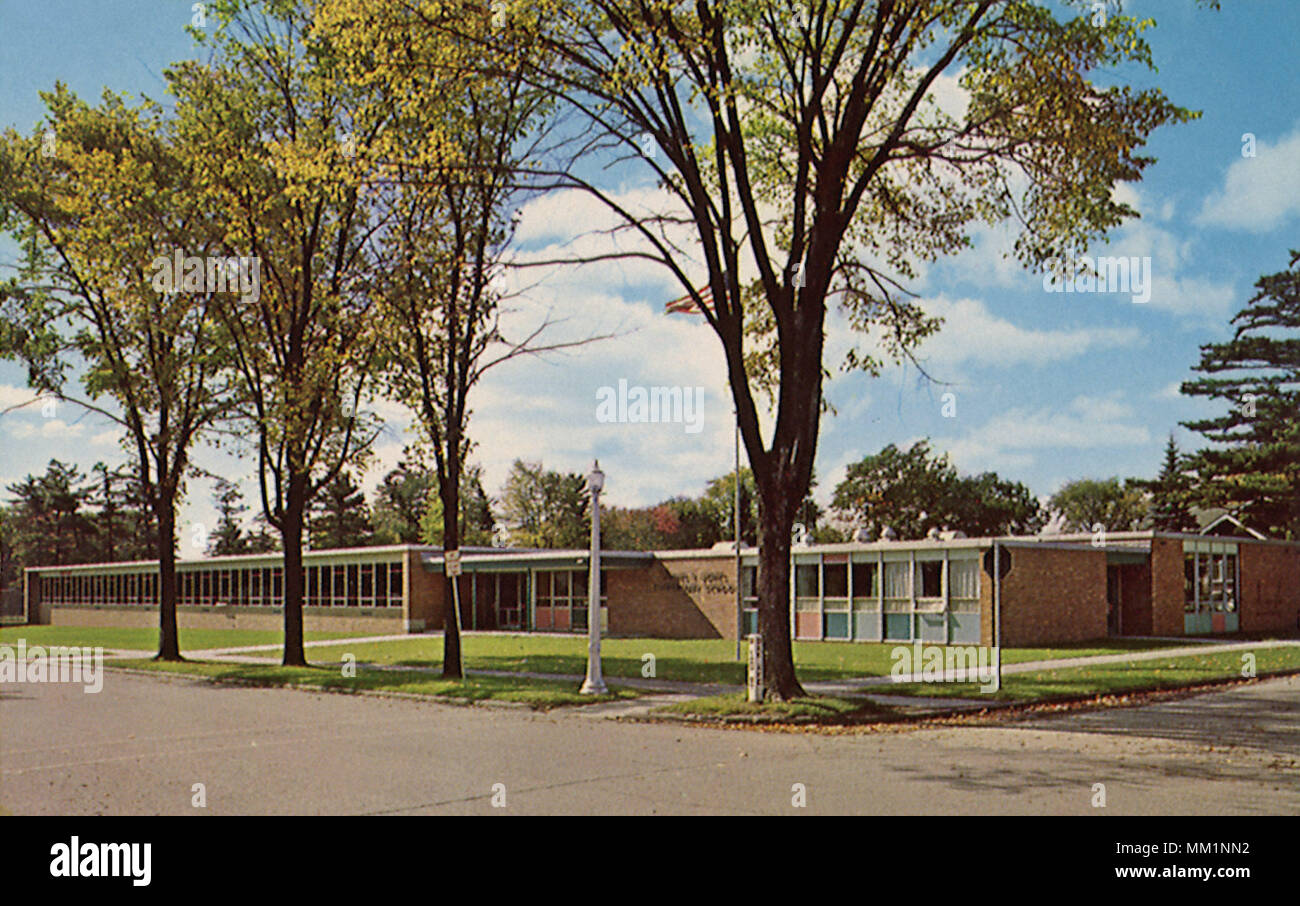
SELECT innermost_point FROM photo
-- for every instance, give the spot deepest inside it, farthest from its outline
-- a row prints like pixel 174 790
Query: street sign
pixel 451 563
pixel 757 683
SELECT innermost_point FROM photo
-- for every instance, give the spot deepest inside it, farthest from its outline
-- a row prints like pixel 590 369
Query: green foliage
pixel 402 501
pixel 339 517
pixel 1254 468
pixel 1115 505
pixel 476 520
pixel 913 491
pixel 1171 493
pixel 544 508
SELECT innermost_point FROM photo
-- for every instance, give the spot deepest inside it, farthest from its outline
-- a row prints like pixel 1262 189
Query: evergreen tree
pixel 50 523
pixel 1254 472
pixel 402 501
pixel 339 517
pixel 228 537
pixel 1171 493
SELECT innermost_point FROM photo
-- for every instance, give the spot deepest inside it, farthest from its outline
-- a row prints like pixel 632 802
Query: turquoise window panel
pixel 866 626
pixel 1231 622
pixel 751 622
pixel 931 627
pixel 898 626
pixel 835 626
pixel 965 628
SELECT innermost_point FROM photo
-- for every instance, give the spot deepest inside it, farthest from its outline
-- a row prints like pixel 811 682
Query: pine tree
pixel 1254 472
pixel 1171 493
pixel 339 517
pixel 228 538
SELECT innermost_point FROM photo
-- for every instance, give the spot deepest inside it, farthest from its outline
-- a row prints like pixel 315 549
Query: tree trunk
pixel 450 493
pixel 291 533
pixel 169 646
pixel 776 518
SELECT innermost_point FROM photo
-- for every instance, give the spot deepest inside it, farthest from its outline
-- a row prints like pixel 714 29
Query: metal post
pixel 594 684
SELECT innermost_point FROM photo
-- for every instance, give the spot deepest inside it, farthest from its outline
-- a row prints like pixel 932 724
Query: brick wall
pixel 1270 587
pixel 1135 598
pixel 1053 595
pixel 689 598
pixel 424 594
pixel 1167 587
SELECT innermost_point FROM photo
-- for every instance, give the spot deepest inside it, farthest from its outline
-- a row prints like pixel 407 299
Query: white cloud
pixel 1259 193
pixel 1012 437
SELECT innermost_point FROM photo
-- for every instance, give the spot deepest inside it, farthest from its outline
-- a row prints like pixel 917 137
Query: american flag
pixel 685 305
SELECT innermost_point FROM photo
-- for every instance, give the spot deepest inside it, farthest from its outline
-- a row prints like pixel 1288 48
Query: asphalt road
pixel 140 745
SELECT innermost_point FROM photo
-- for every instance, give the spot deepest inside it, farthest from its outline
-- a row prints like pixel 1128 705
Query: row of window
pixel 335 585
pixel 561 601
pixel 1209 582
pixel 121 588
pixel 923 585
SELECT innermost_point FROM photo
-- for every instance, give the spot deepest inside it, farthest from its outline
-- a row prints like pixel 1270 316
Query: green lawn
pixel 691 660
pixel 1110 679
pixel 822 709
pixel 146 638
pixel 537 693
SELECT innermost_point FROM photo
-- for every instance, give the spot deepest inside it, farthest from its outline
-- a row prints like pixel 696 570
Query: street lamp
pixel 594 684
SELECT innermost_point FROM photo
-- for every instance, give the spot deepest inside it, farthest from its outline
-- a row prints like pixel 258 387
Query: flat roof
pixel 486 559
pixel 506 559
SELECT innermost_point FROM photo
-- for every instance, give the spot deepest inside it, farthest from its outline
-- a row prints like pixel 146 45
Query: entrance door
pixel 511 600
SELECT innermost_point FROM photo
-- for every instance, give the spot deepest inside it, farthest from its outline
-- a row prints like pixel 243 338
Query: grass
pixel 145 638
pixel 1113 679
pixel 822 709
pixel 688 660
pixel 537 693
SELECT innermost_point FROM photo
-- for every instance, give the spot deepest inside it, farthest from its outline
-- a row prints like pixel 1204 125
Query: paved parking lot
pixel 140 745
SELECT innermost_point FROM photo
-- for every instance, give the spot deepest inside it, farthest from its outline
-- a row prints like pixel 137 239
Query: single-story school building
pixel 1048 589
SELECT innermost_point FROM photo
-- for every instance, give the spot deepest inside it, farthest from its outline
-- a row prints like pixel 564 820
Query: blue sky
pixel 1048 387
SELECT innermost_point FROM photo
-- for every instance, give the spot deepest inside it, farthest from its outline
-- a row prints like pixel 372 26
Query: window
pixel 367 584
pixel 835 580
pixel 395 591
pixel 1189 583
pixel 929 578
pixel 805 577
pixel 866 582
pixel 1230 583
pixel 897 584
pixel 964 577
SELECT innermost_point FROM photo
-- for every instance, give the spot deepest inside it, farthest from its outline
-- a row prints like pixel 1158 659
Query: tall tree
pixel 270 122
pixel 94 210
pixel 804 160
pixel 228 537
pixel 544 508
pixel 401 501
pixel 476 520
pixel 1112 504
pixel 915 490
pixel 339 516
pixel 51 522
pixel 457 118
pixel 1171 493
pixel 1254 469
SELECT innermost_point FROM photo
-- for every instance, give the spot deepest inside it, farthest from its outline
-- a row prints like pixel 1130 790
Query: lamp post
pixel 594 684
